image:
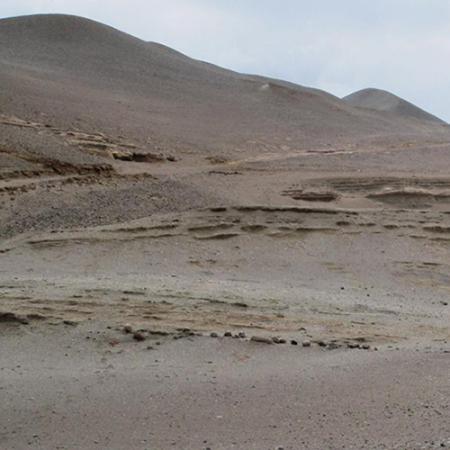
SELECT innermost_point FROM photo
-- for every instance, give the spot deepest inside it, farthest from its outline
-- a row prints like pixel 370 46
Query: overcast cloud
pixel 337 45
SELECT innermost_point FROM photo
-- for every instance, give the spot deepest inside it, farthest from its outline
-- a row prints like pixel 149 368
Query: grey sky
pixel 337 45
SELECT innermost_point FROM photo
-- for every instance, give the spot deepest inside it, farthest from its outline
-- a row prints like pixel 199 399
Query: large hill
pixel 71 72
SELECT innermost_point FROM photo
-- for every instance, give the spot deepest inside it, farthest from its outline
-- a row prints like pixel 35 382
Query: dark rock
pixel 138 336
pixel 261 340
pixel 242 335
pixel 158 333
pixel 228 334
pixel 71 323
pixel 214 335
pixel 240 304
pixel 333 346
pixel 35 316
pixel 128 328
pixel 294 342
pixel 9 317
pixel 184 330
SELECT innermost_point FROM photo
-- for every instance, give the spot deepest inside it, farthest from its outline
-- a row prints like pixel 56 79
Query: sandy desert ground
pixel 192 258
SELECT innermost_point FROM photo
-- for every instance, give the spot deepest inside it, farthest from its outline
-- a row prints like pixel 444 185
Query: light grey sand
pixel 170 197
pixel 60 390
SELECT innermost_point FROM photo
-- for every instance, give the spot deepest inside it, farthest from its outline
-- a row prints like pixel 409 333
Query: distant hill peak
pixel 380 100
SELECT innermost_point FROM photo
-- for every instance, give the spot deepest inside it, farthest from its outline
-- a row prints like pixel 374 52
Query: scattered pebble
pixel 214 335
pixel 228 334
pixel 294 342
pixel 306 343
pixel 128 328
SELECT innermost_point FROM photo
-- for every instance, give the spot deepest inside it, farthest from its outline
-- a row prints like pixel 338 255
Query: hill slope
pixel 73 72
pixel 380 100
